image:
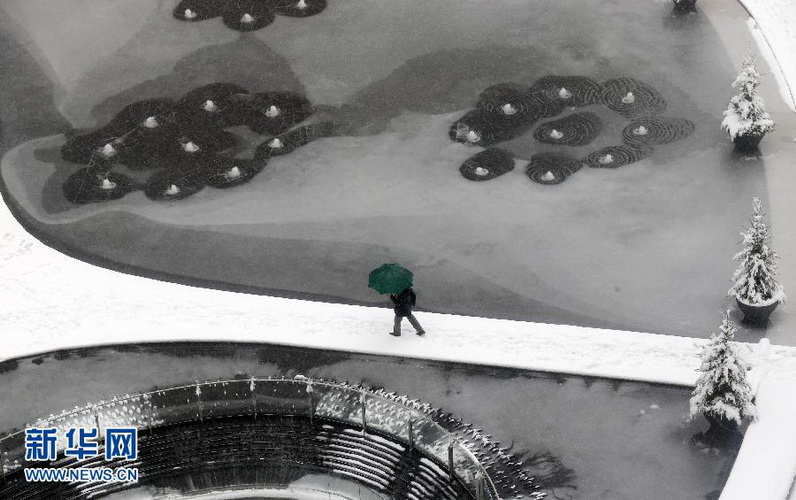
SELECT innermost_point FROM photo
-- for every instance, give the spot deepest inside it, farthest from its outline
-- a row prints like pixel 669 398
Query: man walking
pixel 404 302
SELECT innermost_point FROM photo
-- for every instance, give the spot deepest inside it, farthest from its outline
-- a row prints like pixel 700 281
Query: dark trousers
pixel 411 317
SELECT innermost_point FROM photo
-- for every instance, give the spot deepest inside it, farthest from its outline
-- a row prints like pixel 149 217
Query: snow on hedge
pixel 722 390
pixel 746 113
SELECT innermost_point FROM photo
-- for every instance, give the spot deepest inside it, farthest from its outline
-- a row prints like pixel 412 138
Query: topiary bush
pixel 487 165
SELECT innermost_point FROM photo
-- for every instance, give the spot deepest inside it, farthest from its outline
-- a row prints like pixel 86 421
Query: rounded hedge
pixel 574 130
pixel 216 105
pixel 182 140
pixel 618 156
pixel 86 186
pixel 299 8
pixel 487 165
pixel 645 100
pixel 509 100
pixel 200 10
pixel 154 114
pixel 581 91
pixel 248 15
pixel 481 127
pixel 555 166
pixel 222 173
pixel 80 148
pixel 271 113
pixel 186 178
pixel 655 130
pixel 292 140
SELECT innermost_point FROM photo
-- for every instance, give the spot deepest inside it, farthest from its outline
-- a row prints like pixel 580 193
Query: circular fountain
pixel 271 434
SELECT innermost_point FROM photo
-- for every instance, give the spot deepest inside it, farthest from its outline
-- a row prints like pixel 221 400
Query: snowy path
pixel 765 467
pixel 60 302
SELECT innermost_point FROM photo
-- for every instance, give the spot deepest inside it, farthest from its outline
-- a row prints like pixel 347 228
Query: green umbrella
pixel 390 278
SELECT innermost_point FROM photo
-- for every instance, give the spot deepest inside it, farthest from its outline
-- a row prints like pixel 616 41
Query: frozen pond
pixel 598 438
pixel 643 247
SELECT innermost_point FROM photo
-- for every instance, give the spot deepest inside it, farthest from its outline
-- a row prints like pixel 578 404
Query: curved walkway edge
pixel 57 302
pixel 766 464
pixel 776 21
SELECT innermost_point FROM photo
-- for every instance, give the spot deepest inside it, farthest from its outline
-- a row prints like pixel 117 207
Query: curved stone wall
pixel 272 431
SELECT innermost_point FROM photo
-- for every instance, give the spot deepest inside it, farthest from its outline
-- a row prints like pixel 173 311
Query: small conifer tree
pixel 722 392
pixel 746 113
pixel 755 282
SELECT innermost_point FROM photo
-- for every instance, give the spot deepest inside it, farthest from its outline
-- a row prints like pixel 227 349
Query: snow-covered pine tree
pixel 722 392
pixel 754 279
pixel 746 113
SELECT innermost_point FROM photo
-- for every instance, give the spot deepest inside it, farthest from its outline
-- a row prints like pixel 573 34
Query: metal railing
pixel 388 414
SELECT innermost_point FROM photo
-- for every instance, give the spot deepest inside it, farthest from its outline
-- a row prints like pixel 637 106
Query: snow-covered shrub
pixel 722 392
pixel 754 278
pixel 746 113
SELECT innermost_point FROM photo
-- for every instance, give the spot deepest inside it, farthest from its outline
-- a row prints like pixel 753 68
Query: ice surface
pixel 593 251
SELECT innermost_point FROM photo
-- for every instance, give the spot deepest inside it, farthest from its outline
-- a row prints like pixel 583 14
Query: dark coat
pixel 404 302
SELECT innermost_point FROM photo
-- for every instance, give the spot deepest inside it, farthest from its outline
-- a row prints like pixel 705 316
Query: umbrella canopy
pixel 390 278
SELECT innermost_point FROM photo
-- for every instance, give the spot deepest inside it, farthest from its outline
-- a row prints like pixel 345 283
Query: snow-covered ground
pixel 51 301
pixel 768 445
pixel 774 24
pixel 59 302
